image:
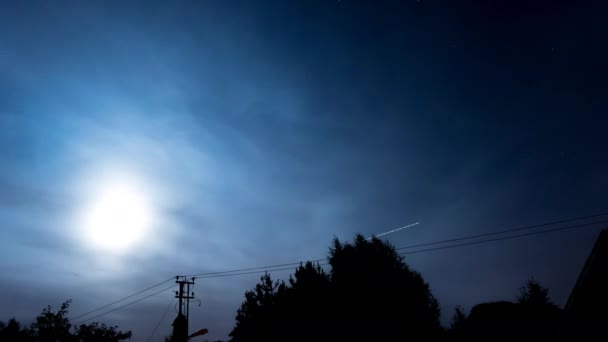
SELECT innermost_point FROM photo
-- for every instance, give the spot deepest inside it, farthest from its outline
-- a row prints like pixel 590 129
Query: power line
pixel 124 306
pixel 199 275
pixel 505 237
pixel 161 320
pixel 503 231
pixel 122 299
pixel 269 268
pixel 155 293
pixel 262 268
pixel 253 272
pixel 427 249
pixel 287 266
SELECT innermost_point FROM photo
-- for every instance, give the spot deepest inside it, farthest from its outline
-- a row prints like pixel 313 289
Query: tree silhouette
pixel 99 332
pixel 379 294
pixel 55 326
pixel 307 302
pixel 50 326
pixel 369 293
pixel 458 319
pixel 533 294
pixel 274 310
pixel 12 331
pixel 255 317
pixel 540 316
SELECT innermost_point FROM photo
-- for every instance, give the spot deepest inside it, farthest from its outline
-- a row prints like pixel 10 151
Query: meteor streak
pixel 393 231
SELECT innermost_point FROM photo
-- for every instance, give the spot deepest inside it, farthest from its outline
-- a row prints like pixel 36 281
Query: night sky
pixel 255 132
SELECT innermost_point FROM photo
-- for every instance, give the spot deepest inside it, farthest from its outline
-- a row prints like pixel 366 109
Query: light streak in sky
pixel 393 231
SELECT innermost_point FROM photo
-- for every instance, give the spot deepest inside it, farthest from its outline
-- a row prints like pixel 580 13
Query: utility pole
pixel 180 324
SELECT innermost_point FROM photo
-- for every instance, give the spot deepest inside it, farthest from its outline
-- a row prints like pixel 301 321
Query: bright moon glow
pixel 118 217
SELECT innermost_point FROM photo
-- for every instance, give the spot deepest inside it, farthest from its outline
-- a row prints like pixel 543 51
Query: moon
pixel 118 217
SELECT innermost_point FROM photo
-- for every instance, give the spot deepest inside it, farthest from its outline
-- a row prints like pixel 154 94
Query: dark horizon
pixel 142 140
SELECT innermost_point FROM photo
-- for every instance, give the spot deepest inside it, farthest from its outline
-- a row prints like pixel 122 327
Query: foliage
pixel 378 293
pixel 369 293
pixel 96 332
pixel 12 331
pixel 458 318
pixel 50 326
pixel 55 326
pixel 533 294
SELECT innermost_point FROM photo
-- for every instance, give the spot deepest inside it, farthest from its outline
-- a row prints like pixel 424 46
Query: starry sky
pixel 260 130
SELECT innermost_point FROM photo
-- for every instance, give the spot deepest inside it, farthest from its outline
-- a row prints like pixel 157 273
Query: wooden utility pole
pixel 180 324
